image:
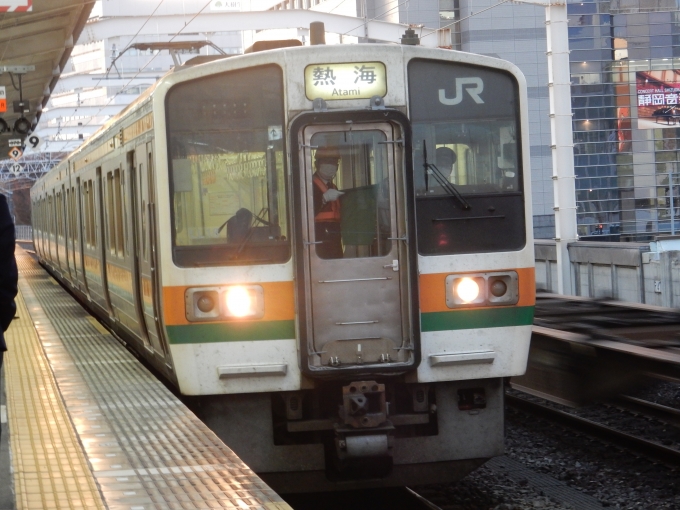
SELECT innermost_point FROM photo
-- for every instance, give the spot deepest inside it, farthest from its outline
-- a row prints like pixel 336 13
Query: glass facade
pixel 623 164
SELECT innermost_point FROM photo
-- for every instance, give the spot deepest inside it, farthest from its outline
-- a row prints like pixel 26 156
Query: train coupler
pixel 364 405
pixel 353 444
pixel 364 430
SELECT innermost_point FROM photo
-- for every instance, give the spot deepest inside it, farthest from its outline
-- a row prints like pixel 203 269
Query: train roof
pixel 224 64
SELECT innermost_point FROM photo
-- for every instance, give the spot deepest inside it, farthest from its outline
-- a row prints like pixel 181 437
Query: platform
pixel 91 427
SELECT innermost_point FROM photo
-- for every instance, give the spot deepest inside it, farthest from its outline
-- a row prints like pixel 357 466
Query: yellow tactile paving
pixel 49 468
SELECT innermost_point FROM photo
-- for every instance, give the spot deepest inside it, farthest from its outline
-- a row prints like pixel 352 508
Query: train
pixel 327 250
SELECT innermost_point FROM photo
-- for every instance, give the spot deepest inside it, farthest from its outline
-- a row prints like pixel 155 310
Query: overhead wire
pixel 378 16
pixel 467 17
pixel 151 60
pixel 148 18
pixel 433 31
pixel 208 3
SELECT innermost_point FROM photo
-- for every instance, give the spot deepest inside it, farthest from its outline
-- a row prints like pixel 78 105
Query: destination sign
pixel 357 80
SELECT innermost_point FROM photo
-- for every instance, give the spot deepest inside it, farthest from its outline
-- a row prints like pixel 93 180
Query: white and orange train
pixel 188 224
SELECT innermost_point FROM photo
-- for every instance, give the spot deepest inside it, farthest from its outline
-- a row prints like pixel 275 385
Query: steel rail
pixel 608 434
pixel 666 414
pixel 424 501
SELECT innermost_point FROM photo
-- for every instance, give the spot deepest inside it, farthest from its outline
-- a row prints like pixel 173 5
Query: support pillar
pixel 562 140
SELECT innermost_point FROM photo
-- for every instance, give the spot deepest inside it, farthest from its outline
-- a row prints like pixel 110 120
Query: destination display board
pixel 357 80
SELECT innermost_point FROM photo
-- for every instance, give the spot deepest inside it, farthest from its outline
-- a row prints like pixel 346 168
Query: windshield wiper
pixel 450 189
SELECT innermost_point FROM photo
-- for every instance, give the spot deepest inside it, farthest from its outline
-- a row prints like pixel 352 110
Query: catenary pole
pixel 562 138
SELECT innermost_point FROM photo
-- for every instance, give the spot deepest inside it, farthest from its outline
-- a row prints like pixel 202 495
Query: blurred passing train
pixel 192 226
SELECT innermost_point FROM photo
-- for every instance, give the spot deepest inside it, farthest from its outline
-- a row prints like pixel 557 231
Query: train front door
pixel 355 255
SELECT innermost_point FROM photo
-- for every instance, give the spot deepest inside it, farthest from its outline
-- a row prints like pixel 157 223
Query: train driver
pixel 445 158
pixel 327 203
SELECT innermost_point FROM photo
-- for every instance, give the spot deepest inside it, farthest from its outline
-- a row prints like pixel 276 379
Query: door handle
pixel 394 265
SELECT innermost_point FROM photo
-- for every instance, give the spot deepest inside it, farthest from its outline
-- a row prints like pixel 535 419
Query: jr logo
pixel 473 86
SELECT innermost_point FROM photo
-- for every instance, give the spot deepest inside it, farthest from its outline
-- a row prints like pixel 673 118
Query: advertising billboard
pixel 657 98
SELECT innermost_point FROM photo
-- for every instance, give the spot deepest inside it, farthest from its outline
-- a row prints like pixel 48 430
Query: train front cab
pixel 401 340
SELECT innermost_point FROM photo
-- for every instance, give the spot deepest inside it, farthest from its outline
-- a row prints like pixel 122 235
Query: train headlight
pixel 220 303
pixel 243 302
pixel 467 290
pixel 482 289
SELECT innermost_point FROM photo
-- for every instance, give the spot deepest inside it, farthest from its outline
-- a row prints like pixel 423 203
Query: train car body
pixel 362 345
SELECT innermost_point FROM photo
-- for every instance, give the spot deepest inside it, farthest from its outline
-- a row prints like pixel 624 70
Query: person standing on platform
pixel 8 273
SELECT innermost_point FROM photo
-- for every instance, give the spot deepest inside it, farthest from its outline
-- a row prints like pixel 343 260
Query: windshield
pixel 473 156
pixel 227 170
pixel 467 160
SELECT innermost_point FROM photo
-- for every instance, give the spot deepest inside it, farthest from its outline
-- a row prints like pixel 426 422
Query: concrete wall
pixel 621 271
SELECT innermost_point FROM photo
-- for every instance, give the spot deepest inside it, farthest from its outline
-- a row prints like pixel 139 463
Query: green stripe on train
pixel 473 319
pixel 230 332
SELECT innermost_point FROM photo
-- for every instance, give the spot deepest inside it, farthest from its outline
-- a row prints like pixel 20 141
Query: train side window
pixel 228 169
pixel 86 215
pixel 92 215
pixel 110 216
pixel 118 212
pixel 146 206
pixel 67 219
pixel 60 226
pixel 71 215
pixel 69 208
pixel 118 184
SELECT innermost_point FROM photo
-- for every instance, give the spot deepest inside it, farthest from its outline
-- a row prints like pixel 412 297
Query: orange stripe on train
pixel 279 303
pixel 433 289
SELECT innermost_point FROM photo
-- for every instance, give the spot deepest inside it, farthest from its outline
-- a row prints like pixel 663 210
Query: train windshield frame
pixel 226 153
pixel 467 158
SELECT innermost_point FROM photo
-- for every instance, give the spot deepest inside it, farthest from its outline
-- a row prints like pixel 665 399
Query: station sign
pixel 3 99
pixel 15 153
pixel 33 141
pixel 16 5
pixel 358 80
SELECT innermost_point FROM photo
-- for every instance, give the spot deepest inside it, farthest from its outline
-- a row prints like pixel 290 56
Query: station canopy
pixel 36 39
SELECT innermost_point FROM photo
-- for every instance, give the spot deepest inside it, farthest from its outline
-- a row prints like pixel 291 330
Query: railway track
pixel 585 350
pixel 666 414
pixel 425 502
pixel 603 432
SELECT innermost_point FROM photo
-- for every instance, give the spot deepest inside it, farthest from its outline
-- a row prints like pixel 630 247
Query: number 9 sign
pixel 33 141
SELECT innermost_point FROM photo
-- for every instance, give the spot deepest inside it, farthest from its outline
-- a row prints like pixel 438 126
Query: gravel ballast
pixel 579 466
